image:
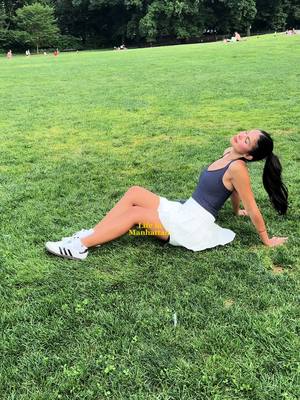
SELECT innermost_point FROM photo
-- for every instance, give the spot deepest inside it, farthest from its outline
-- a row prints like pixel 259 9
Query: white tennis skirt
pixel 191 226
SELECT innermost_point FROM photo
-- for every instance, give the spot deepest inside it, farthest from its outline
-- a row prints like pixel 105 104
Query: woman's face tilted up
pixel 245 141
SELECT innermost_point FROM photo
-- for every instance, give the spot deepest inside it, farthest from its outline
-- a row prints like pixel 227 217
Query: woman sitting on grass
pixel 192 224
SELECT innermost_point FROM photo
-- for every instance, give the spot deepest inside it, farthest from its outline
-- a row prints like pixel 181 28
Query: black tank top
pixel 210 192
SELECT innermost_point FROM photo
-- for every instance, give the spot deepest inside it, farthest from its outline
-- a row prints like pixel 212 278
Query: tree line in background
pixel 82 24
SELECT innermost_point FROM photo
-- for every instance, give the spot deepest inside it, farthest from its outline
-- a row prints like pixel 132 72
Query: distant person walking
pixel 9 55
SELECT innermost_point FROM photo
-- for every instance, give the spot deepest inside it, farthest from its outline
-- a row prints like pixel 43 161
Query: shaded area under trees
pixel 100 23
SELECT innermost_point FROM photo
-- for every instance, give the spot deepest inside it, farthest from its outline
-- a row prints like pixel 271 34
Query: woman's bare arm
pixel 241 183
pixel 235 198
pixel 235 201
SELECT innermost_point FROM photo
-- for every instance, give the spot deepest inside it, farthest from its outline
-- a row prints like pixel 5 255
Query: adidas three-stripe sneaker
pixel 71 248
pixel 81 234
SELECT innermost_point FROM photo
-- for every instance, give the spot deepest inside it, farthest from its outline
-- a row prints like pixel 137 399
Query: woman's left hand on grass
pixel 242 213
pixel 276 241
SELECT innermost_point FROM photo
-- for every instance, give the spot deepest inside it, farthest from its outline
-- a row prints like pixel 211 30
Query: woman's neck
pixel 233 155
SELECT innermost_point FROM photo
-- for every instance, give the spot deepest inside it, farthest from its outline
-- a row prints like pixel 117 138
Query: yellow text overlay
pixel 155 230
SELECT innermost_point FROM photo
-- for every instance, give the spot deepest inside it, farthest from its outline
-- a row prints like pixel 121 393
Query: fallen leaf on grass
pixel 228 303
pixel 277 269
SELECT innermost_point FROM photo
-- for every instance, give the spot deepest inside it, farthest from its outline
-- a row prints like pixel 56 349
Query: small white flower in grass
pixel 175 319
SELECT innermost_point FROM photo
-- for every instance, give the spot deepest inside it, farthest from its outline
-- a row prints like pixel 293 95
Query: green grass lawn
pixel 76 132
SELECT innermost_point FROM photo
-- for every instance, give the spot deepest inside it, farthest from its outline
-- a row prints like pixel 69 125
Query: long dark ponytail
pixel 272 181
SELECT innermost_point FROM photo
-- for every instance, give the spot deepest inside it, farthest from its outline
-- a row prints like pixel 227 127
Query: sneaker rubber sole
pixel 59 254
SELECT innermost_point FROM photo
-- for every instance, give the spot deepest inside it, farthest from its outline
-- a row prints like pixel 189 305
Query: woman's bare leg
pixel 118 225
pixel 135 196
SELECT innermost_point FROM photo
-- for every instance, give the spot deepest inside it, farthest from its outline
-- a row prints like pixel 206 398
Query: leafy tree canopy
pixel 109 22
pixel 38 23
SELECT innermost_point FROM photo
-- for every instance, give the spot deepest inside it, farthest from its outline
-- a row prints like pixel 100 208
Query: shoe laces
pixel 67 240
pixel 76 235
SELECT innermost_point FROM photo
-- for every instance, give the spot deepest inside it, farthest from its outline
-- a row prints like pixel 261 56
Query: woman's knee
pixel 133 191
pixel 139 196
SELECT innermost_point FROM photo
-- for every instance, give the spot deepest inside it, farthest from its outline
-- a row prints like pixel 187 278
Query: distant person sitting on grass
pixel 237 36
pixel 122 47
pixel 291 32
pixel 192 224
pixel 232 40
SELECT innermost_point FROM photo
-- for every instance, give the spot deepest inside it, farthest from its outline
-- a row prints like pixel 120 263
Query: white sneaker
pixel 72 249
pixel 80 235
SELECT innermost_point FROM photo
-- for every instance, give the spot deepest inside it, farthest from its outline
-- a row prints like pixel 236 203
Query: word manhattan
pixel 146 232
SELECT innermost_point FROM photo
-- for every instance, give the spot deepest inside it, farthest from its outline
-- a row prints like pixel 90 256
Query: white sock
pixel 79 245
pixel 90 232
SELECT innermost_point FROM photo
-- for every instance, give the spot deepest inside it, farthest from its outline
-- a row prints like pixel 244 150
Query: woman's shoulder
pixel 238 167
